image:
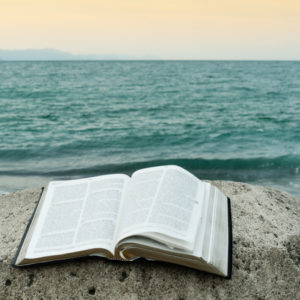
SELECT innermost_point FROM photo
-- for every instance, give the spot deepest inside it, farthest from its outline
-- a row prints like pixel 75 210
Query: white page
pixel 78 215
pixel 206 211
pixel 218 250
pixel 213 236
pixel 208 223
pixel 165 201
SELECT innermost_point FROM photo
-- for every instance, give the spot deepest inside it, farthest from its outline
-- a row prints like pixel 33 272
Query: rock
pixel 265 257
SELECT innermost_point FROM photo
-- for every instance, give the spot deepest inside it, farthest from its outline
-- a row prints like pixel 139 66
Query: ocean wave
pixel 289 164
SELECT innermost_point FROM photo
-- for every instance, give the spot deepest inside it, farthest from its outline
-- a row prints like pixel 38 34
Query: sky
pixel 166 29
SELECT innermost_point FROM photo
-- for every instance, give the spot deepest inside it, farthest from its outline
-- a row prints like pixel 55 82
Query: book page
pixel 219 243
pixel 162 203
pixel 212 241
pixel 78 215
pixel 205 224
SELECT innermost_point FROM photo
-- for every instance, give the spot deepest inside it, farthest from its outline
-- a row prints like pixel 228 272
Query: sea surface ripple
pixel 233 120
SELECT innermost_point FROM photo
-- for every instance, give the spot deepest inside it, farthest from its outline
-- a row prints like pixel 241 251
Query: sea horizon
pixel 150 60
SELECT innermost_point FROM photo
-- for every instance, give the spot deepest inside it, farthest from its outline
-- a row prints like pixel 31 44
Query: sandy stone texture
pixel 266 249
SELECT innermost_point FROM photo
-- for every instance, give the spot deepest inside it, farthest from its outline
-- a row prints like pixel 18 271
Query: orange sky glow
pixel 177 29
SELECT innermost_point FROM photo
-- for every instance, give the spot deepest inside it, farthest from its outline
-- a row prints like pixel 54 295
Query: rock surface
pixel 265 257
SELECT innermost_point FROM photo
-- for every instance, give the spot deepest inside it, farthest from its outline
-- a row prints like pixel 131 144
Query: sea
pixel 220 120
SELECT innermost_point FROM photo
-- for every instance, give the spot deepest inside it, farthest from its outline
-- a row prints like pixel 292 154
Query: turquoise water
pixel 220 120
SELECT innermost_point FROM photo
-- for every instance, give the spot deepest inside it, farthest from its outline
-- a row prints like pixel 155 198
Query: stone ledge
pixel 266 249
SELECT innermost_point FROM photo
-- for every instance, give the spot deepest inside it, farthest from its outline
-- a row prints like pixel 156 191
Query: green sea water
pixel 229 120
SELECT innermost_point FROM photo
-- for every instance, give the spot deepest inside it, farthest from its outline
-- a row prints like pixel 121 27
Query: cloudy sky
pixel 167 29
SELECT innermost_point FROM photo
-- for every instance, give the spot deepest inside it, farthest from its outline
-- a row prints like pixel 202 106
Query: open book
pixel 160 213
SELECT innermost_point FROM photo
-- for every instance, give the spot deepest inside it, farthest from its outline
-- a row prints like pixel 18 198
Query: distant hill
pixel 53 54
pixel 31 54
